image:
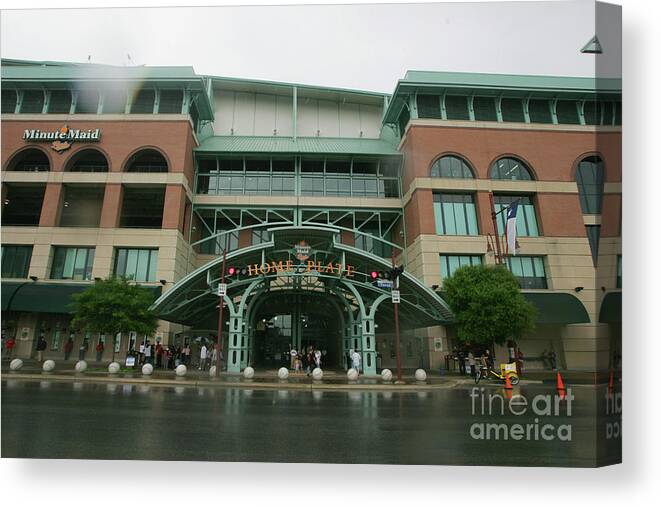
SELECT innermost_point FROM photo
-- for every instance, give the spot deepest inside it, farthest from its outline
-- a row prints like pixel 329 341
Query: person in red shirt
pixel 68 347
pixel 10 347
pixel 99 350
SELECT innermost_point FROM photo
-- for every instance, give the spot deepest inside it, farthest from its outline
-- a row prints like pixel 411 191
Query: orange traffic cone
pixel 611 382
pixel 508 384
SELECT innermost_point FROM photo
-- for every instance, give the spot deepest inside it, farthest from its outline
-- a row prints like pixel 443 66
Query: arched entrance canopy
pixel 193 298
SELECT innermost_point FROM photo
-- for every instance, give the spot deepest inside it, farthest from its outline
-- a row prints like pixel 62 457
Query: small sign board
pixel 222 289
pixel 130 360
pixel 395 296
pixel 384 284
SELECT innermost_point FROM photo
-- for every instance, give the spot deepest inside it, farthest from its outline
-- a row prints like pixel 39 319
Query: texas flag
pixel 510 227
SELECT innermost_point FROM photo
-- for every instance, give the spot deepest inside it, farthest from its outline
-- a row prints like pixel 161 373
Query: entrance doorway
pixel 296 321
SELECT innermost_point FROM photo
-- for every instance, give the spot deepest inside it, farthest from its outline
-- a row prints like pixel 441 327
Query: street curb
pixel 240 384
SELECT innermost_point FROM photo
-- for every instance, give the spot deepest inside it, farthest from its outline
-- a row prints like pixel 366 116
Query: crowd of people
pixel 165 357
pixel 469 358
pixel 305 360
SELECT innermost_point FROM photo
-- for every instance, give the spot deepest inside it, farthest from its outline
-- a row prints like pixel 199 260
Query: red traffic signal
pixel 231 271
pixel 374 275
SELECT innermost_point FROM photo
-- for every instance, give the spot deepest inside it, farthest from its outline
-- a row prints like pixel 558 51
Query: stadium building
pixel 309 192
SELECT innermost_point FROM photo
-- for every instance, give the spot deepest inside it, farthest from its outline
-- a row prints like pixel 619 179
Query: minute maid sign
pixel 62 138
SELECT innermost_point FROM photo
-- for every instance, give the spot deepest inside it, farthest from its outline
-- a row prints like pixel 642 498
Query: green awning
pixel 300 145
pixel 557 308
pixel 611 308
pixel 46 297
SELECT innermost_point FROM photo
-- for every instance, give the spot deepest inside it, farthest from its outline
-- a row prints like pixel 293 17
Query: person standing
pixel 11 343
pixel 294 354
pixel 41 346
pixel 553 357
pixel 317 358
pixel 68 347
pixel 519 362
pixel 148 350
pixel 159 355
pixel 461 358
pixel 203 358
pixel 82 349
pixel 471 362
pixel 355 360
pixel 99 351
pixel 141 360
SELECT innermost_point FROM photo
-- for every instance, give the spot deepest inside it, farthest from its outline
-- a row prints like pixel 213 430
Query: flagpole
pixel 498 254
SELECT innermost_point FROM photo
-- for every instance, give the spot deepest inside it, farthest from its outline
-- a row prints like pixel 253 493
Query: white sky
pixel 353 46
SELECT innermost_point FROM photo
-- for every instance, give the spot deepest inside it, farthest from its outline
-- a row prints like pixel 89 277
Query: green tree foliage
pixel 488 304
pixel 114 306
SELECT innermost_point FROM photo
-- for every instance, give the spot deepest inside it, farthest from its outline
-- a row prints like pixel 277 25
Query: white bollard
pixel 352 374
pixel 16 364
pixel 386 375
pixel 249 372
pixel 420 375
pixel 147 369
pixel 212 371
pixel 113 368
pixel 317 374
pixel 81 366
pixel 283 373
pixel 180 370
pixel 49 365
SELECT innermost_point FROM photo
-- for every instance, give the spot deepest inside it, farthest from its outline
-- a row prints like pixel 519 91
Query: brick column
pixel 52 205
pixel 174 207
pixel 112 206
pixel 484 213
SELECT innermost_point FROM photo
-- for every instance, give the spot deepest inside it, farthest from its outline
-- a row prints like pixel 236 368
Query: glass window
pixel 87 102
pixel 512 110
pixel 114 102
pixel 567 112
pixel 170 101
pixel 88 160
pixel 592 112
pixel 618 281
pixel 455 214
pixel 403 120
pixel 510 169
pixel 32 160
pixel 484 108
pixel 9 100
pixel 147 161
pixel 33 101
pixel 593 232
pixel 450 263
pixel 590 181
pixel 456 108
pixel 22 204
pixel 59 102
pixel 429 106
pixel 526 219
pixel 369 241
pixel 16 261
pixel 540 111
pixel 136 264
pixel 529 271
pixel 143 102
pixel 450 166
pixel 71 263
pixel 260 236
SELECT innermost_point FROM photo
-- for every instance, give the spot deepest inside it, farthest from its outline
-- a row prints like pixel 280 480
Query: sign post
pixel 395 301
pixel 222 290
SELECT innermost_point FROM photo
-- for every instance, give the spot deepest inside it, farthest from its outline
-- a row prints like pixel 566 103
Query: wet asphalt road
pixel 122 421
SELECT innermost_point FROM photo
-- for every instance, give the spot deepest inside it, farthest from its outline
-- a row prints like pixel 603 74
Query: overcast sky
pixel 353 46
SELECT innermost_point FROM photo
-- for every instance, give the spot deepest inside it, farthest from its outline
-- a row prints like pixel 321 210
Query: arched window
pixel 450 166
pixel 590 181
pixel 31 159
pixel 147 161
pixel 90 160
pixel 510 169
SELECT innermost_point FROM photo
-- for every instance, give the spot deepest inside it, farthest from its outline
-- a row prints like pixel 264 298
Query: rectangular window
pixel 618 281
pixel 450 263
pixel 170 102
pixel 59 102
pixel 512 110
pixel 81 206
pixel 71 263
pixel 456 108
pixel 114 102
pixel 9 100
pixel 142 207
pixel 539 111
pixel 16 261
pixel 22 204
pixel 143 102
pixel 526 219
pixel 87 102
pixel 215 246
pixel 429 106
pixel 260 236
pixel 455 214
pixel 485 108
pixel 136 264
pixel 529 271
pixel 372 244
pixel 33 101
pixel 567 112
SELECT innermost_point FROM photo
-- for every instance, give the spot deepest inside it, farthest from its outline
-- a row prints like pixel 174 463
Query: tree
pixel 488 304
pixel 114 306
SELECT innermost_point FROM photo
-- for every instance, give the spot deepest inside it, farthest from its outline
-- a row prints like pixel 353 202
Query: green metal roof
pixel 506 85
pixel 300 145
pixel 46 297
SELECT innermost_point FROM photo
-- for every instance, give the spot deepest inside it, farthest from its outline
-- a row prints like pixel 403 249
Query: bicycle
pixel 506 370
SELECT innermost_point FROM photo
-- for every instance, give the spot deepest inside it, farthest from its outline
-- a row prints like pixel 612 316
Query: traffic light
pixel 395 272
pixel 231 271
